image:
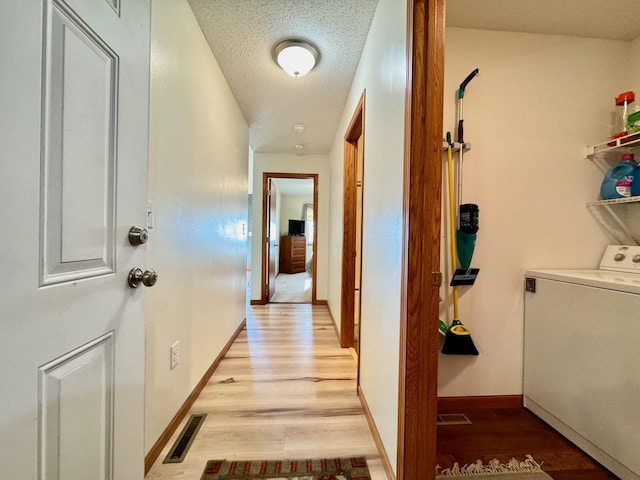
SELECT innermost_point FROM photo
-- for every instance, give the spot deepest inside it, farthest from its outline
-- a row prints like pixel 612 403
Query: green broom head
pixel 466 243
pixel 458 340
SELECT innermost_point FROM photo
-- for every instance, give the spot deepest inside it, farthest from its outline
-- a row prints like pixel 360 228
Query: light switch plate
pixel 175 354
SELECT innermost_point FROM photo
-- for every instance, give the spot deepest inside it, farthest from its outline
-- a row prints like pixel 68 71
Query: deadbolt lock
pixel 138 235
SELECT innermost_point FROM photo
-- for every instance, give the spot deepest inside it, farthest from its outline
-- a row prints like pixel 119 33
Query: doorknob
pixel 136 277
pixel 138 235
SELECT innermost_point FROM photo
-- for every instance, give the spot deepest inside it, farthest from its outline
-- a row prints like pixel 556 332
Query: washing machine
pixel 582 356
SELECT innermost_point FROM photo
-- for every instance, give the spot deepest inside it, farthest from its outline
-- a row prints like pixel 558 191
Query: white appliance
pixel 582 356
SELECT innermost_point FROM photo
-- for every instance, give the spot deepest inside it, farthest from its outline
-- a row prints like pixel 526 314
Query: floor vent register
pixel 180 448
pixel 453 419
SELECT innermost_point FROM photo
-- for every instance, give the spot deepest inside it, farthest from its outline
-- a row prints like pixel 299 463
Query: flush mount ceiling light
pixel 299 128
pixel 299 146
pixel 296 57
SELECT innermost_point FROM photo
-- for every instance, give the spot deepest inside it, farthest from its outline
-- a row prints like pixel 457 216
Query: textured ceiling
pixel 294 186
pixel 614 19
pixel 242 35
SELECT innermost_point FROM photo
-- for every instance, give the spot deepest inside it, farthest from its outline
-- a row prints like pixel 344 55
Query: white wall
pixel 250 210
pixel 633 61
pixel 250 167
pixel 538 101
pixel 198 181
pixel 292 163
pixel 292 206
pixel 382 72
pixel 292 209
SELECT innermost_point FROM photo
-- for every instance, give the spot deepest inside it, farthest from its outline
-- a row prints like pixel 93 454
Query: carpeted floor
pixel 292 288
pixel 354 468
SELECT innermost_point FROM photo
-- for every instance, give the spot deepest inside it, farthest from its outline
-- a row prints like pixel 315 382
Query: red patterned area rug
pixel 354 468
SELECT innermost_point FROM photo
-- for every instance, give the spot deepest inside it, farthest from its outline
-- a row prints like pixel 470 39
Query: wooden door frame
pixel 270 199
pixel 354 130
pixel 419 342
pixel 265 193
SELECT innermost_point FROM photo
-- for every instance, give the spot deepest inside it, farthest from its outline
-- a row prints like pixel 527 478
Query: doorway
pixel 289 233
pixel 352 229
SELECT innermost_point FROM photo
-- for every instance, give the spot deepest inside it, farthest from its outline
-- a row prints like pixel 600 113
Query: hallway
pixel 285 390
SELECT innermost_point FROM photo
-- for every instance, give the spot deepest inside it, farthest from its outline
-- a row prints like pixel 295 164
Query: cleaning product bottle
pixel 635 186
pixel 623 109
pixel 619 179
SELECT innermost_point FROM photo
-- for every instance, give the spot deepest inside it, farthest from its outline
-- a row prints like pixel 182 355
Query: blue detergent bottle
pixel 618 181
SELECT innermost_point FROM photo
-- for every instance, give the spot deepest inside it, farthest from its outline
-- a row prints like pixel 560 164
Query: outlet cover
pixel 175 354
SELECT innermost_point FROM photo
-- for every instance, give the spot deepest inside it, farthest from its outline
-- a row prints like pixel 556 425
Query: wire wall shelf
pixel 628 142
pixel 614 201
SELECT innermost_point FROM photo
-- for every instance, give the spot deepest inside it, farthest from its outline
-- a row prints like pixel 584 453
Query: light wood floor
pixel 285 390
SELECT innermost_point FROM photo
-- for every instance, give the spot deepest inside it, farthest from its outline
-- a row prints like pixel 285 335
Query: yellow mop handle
pixel 452 228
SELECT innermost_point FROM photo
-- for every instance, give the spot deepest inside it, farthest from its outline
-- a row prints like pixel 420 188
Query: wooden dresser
pixel 292 253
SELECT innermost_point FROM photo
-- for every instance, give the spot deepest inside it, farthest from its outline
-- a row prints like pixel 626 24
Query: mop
pixel 457 340
pixel 468 214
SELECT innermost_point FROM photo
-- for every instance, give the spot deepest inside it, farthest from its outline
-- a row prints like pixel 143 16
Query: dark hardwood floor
pixel 514 432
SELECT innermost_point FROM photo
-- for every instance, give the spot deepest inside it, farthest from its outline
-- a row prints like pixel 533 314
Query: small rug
pixel 494 470
pixel 354 468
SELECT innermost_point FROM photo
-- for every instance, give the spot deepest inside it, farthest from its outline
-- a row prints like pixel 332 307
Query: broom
pixel 457 340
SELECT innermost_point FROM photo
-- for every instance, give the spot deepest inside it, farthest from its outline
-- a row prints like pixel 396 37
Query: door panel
pixel 115 4
pixel 78 165
pixel 76 413
pixel 74 136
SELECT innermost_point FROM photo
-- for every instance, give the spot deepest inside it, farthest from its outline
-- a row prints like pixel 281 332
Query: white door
pixel 73 180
